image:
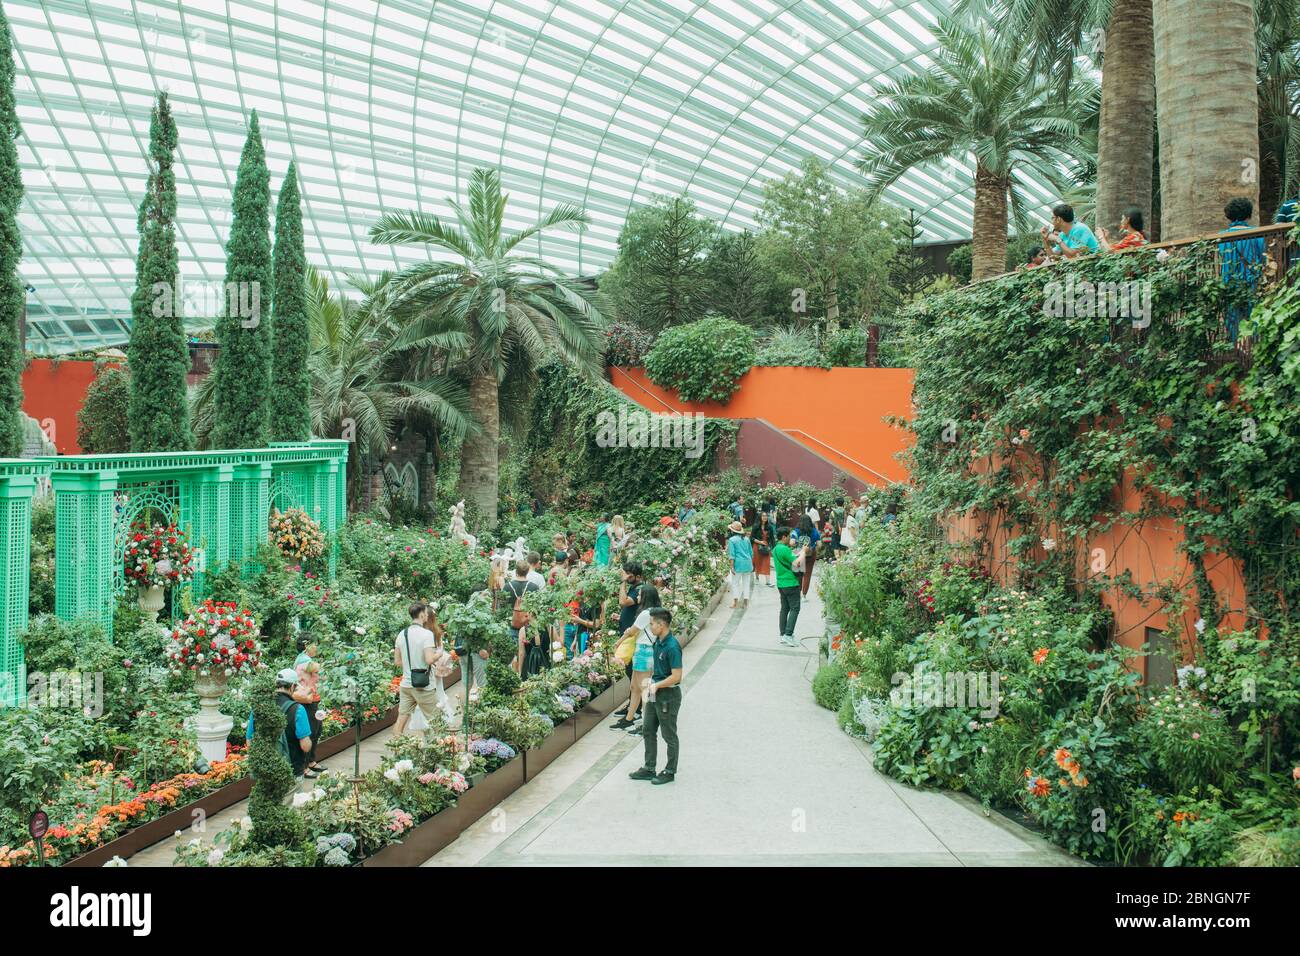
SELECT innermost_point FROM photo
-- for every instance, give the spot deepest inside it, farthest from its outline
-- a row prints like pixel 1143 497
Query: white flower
pixel 359 629
pixel 216 856
pixel 1049 544
pixel 1200 621
pixel 302 799
pixel 117 861
pixel 1162 255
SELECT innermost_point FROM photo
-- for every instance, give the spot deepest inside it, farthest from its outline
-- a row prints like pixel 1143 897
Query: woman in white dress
pixel 849 533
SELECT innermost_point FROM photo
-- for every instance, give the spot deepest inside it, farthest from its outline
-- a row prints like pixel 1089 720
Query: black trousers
pixel 790 601
pixel 315 725
pixel 661 715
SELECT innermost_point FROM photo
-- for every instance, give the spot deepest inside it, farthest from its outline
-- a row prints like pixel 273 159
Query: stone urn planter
pixel 211 726
pixel 151 598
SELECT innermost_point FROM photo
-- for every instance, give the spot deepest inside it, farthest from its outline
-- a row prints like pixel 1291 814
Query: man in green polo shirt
pixel 663 700
pixel 787 584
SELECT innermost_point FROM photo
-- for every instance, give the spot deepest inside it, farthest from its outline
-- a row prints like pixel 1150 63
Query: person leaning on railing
pixel 1242 261
pixel 1130 225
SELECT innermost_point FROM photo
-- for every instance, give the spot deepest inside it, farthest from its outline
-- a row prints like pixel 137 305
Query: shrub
pixel 997 774
pixel 627 344
pixel 830 686
pixel 846 348
pixel 703 361
pixel 1189 741
pixel 274 824
pixel 102 425
pixel 791 346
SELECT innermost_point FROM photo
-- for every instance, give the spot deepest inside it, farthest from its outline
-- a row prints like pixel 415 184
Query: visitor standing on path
pixel 415 643
pixel 295 736
pixel 307 693
pixel 642 656
pixel 664 701
pixel 808 538
pixel 787 584
pixel 629 601
pixel 741 552
pixel 527 653
pixel 603 541
pixel 762 539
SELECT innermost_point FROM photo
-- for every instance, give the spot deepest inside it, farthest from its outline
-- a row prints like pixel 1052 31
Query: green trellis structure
pixel 222 499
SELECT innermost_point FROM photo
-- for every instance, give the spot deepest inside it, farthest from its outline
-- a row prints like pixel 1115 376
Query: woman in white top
pixel 618 534
pixel 642 658
pixel 813 513
pixel 849 533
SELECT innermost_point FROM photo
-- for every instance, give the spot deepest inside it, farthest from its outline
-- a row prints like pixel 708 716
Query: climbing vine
pixel 1037 403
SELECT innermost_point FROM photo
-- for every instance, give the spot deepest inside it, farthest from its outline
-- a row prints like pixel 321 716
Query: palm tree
pixel 1277 37
pixel 515 311
pixel 1208 117
pixel 1056 32
pixel 981 98
pixel 360 389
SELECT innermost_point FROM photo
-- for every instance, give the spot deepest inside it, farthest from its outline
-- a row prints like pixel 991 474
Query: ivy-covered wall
pixel 573 458
pixel 1145 455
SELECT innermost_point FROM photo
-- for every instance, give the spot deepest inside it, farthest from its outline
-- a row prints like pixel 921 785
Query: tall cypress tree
pixel 290 382
pixel 243 369
pixel 158 410
pixel 12 295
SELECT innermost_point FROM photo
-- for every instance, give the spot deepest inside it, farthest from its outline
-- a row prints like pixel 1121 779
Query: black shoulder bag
pixel 419 675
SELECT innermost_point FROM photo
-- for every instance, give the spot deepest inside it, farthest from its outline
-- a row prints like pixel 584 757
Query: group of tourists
pixel 780 555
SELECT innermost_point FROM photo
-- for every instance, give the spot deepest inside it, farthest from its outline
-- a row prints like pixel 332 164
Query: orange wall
pixel 53 393
pixel 842 407
pixel 1148 550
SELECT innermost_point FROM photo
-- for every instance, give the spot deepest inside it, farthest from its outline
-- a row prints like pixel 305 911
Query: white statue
pixel 458 531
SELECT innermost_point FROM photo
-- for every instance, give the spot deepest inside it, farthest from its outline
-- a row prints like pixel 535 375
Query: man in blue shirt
pixel 297 729
pixel 663 701
pixel 1067 237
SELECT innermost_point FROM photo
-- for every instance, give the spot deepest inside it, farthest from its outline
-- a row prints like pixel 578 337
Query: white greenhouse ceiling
pixel 390 105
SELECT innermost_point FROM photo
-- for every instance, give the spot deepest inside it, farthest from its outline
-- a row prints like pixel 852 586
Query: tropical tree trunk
pixel 989 236
pixel 1207 111
pixel 478 456
pixel 1128 106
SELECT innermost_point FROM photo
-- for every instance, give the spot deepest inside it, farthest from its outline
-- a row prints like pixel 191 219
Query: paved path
pixel 766 777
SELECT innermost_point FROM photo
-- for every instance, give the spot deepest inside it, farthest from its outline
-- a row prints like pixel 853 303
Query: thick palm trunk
pixel 989 238
pixel 1207 111
pixel 1128 106
pixel 478 457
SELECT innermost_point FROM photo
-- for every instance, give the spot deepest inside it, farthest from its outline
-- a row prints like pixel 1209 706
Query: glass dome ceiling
pixel 390 105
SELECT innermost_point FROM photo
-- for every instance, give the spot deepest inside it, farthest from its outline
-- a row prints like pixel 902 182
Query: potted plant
pixel 157 557
pixel 217 640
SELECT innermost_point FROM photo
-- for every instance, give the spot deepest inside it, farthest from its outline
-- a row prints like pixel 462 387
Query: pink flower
pixel 1196 735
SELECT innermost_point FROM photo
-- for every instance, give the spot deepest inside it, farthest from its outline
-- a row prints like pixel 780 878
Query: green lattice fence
pixel 17 485
pixel 221 499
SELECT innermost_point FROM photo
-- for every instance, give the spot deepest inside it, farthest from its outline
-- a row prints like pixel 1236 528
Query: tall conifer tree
pixel 290 382
pixel 158 411
pixel 12 296
pixel 243 370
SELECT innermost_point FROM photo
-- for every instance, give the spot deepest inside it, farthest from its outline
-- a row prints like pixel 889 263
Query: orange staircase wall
pixel 838 413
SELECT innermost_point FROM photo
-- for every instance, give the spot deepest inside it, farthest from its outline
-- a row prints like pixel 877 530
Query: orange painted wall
pixel 1149 551
pixel 843 408
pixel 53 393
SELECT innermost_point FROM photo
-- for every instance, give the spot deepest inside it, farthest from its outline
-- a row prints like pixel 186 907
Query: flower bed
pixel 1014 695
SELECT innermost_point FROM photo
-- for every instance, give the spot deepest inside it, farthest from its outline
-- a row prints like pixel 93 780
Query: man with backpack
pixel 414 652
pixel 530 656
pixel 295 738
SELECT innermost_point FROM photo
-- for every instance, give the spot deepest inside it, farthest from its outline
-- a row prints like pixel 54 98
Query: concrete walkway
pixel 766 777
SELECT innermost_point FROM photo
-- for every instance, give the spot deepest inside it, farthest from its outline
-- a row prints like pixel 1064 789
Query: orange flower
pixel 1041 787
pixel 1040 655
pixel 1062 757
